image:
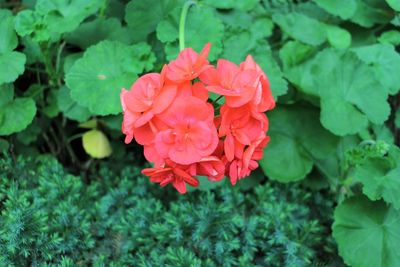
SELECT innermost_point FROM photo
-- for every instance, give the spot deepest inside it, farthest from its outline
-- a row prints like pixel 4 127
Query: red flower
pixel 148 96
pixel 240 126
pixel 191 134
pixel 188 65
pixel 212 167
pixel 240 85
pixel 170 116
pixel 174 175
pixel 264 100
pixel 242 166
pixel 221 80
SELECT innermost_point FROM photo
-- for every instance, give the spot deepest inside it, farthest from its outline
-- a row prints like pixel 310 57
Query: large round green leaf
pixel 380 177
pixel 90 33
pixel 297 140
pixel 96 79
pixel 11 66
pixel 342 8
pixel 338 37
pixel 8 38
pixel 385 62
pixel 143 16
pixel 371 12
pixel 16 115
pixel 367 233
pixel 51 19
pixel 202 26
pixel 350 93
pixel 378 183
pixel 6 94
pixel 395 4
pixel 233 4
pixel 285 160
pixel 301 27
pixel 69 107
pixel 390 37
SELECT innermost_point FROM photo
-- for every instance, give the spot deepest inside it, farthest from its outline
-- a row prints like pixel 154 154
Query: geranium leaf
pixel 97 78
pixel 167 31
pixel 8 38
pixel 202 26
pixel 395 4
pixel 301 27
pixel 338 37
pixel 361 227
pixel 69 107
pixel 342 8
pixel 51 18
pixel 6 94
pixel 349 91
pixel 30 133
pixel 92 32
pixel 228 4
pixel 297 139
pixel 390 37
pixel 381 177
pixel 11 66
pixel 371 12
pixel 16 115
pixel 143 16
pixel 385 62
pixel 283 151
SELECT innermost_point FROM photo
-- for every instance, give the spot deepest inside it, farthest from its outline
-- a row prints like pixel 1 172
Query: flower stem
pixel 182 22
pixel 216 100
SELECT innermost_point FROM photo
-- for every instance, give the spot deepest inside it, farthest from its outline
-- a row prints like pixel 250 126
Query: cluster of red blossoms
pixel 184 134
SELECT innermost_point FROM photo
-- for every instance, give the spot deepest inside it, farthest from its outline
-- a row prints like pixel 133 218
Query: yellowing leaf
pixel 90 124
pixel 96 144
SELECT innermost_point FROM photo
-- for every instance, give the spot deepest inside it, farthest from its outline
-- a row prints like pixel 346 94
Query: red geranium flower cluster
pixel 184 134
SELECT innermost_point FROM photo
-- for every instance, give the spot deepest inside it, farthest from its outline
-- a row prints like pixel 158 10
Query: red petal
pixel 200 91
pixel 202 59
pixel 233 173
pixel 164 99
pixel 179 185
pixel 144 118
pixel 229 147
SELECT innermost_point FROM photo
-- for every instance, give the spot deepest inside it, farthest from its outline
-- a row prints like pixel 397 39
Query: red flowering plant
pixel 185 133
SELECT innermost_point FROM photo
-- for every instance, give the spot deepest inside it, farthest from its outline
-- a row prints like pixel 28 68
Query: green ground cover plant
pixel 327 193
pixel 53 218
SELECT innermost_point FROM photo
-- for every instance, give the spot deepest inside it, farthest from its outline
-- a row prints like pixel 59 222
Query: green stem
pixel 103 8
pixel 35 69
pixel 47 59
pixel 73 137
pixel 367 142
pixel 49 144
pixel 58 60
pixel 182 22
pixel 216 100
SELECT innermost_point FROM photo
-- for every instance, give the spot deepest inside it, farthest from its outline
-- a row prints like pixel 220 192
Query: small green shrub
pixel 50 217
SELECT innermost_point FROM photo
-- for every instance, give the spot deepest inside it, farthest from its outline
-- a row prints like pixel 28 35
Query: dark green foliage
pixel 43 214
pixel 333 67
pixel 49 217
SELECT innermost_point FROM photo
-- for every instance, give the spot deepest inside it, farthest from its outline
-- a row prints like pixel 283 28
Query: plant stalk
pixel 182 23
